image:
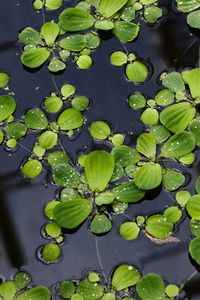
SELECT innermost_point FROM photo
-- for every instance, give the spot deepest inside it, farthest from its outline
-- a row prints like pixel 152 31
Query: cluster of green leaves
pixel 40 46
pixel 159 226
pixel 125 281
pixel 135 70
pixel 191 7
pixel 20 289
pixel 48 4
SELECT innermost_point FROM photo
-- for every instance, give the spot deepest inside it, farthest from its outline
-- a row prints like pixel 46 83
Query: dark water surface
pixel 165 46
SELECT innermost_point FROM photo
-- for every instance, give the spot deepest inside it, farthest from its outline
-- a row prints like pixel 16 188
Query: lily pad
pixel 125 276
pixel 71 213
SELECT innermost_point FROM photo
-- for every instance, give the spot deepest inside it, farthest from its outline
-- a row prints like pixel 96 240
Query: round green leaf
pixel 75 19
pixel 158 226
pixel 7 107
pixel 34 58
pixel 164 97
pixel 16 130
pixel 80 103
pixel 53 104
pixel 137 72
pixel 105 198
pixel 49 32
pixel 84 62
pixel 53 4
pixel 195 227
pixel 66 289
pixel 159 132
pixel 65 175
pixel 104 25
pixel 7 290
pixel 70 119
pixel 178 116
pixel 108 7
pixel 194 249
pixel 152 14
pixel 100 224
pixel 99 130
pixel 99 166
pixel 128 192
pixel 188 5
pixel 125 155
pixel 172 290
pixel 56 65
pixel 74 43
pixel 149 176
pixel 90 290
pixel 193 19
pixel 191 77
pixel 71 213
pixel 48 139
pixel 173 179
pixel 92 40
pixel 21 280
pixel 36 293
pixel 36 119
pixel 4 80
pixel 194 127
pixel 178 145
pixel 57 158
pixel 51 252
pixel 193 207
pixel 136 101
pixel 129 230
pixel 126 31
pixel 150 116
pixel 174 82
pixel 125 276
pixel 118 58
pixel 151 287
pixel 173 214
pixel 29 36
pixel 146 145
pixel 53 230
pixel 32 168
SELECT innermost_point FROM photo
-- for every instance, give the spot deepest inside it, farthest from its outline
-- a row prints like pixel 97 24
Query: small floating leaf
pixel 137 72
pixel 128 192
pixel 36 119
pixel 173 214
pixel 53 104
pixel 4 80
pixel 187 5
pixel 65 175
pixel 21 280
pixel 53 4
pixel 67 90
pixel 194 127
pixel 129 230
pixel 193 207
pixel 173 179
pixel 152 14
pixel 193 19
pixel 150 116
pixel 36 293
pixel 178 145
pixel 192 78
pixel 160 133
pixel 99 167
pixel 126 31
pixel 34 58
pixel 16 130
pixel 125 155
pixel 178 116
pixel 70 119
pixel 105 198
pixel 30 36
pixel 48 139
pixel 99 130
pixel 51 252
pixel 158 226
pixel 90 290
pixel 74 43
pixel 125 276
pixel 100 224
pixel 84 62
pixel 75 19
pixel 66 289
pixel 32 168
pixel 149 176
pixel 118 58
pixel 164 97
pixel 151 287
pixel 56 65
pixel 137 101
pixel 7 107
pixel 195 227
pixel 172 290
pixel 57 158
pixel 194 249
pixel 92 40
pixel 49 32
pixel 174 82
pixel 109 7
pixel 53 230
pixel 146 145
pixel 182 198
pixel 71 213
pixel 80 103
pixel 104 25
pixel 7 290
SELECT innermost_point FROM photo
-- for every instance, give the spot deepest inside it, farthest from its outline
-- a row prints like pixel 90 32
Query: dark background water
pixel 166 46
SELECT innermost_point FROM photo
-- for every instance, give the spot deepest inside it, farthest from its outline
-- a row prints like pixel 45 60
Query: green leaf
pixel 92 40
pixel 70 119
pixel 66 175
pixel 164 97
pixel 109 7
pixel 51 253
pixel 129 230
pixel 56 65
pixel 90 290
pixel 67 90
pixel 16 130
pixel 152 14
pixel 197 185
pixel 174 82
pixel 193 19
pixel 173 179
pixel 151 287
pixel 173 214
pixel 57 158
pixel 137 101
pixel 178 145
pixel 84 62
pixel 36 293
pixel 67 289
pixel 53 104
pixel 48 139
pixel 137 72
pixel 4 80
pixel 194 249
pixel 32 168
pixel 74 43
pixel 80 103
pixel 149 176
pixel 193 207
pixel 192 78
pixel 118 173
pixel 182 198
pixel 7 290
pixel 195 227
pixel 104 25
pixel 100 224
pixel 49 32
pixel 30 36
pixel 34 58
pixel 160 133
pixel 128 14
pixel 187 159
pixel 99 166
pixel 126 31
pixel 146 145
pixel 108 296
pixel 172 290
pixel 125 276
pixel 177 117
pixel 188 5
pixel 53 4
pixel 7 107
pixel 75 19
pixel 21 280
pixel 128 192
pixel 194 127
pixel 118 58
pixel 71 213
pixel 150 116
pixel 125 155
pixel 158 226
pixel 36 119
pixel 105 198
pixel 99 130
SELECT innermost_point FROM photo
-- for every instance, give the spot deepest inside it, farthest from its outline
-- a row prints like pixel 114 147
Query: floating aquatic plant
pixel 48 4
pixel 190 7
